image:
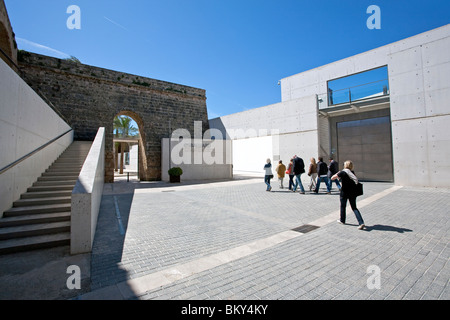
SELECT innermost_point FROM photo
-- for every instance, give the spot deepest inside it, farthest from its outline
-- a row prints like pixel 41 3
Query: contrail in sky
pixel 50 51
pixel 113 22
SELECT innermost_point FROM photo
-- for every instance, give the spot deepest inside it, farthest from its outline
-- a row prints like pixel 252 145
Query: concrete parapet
pixel 86 197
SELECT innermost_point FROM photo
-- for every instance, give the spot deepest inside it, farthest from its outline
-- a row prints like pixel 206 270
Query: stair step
pixel 62 171
pixel 34 219
pixel 34 230
pixel 57 178
pixel 62 167
pixel 47 194
pixel 71 165
pixel 32 243
pixel 41 201
pixel 73 156
pixel 37 209
pixel 69 162
pixel 53 173
pixel 55 182
pixel 49 188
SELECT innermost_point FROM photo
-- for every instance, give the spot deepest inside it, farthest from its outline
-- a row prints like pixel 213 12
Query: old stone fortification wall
pixel 90 97
pixel 7 38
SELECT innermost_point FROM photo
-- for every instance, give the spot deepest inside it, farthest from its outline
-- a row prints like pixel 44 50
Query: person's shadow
pixel 380 227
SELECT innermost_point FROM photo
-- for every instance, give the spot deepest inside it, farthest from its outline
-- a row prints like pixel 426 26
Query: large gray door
pixel 368 144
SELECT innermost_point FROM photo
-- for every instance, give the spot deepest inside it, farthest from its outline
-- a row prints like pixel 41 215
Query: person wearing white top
pixel 348 192
pixel 268 174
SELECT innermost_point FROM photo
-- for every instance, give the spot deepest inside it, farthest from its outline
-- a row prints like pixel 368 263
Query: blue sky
pixel 235 50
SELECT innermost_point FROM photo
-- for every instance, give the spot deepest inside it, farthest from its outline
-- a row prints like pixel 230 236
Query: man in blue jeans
pixel 322 175
pixel 333 168
pixel 299 169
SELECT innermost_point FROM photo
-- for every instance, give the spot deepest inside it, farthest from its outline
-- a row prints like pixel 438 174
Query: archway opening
pixel 129 152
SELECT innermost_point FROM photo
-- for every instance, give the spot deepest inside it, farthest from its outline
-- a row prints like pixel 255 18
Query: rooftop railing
pixel 361 92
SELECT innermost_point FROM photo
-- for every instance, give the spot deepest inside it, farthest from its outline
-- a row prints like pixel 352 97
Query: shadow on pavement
pixel 380 227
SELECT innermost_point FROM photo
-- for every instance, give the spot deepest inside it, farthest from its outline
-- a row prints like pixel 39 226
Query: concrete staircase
pixel 41 218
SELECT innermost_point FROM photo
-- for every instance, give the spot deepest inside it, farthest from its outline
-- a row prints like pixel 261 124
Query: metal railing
pixel 361 92
pixel 28 155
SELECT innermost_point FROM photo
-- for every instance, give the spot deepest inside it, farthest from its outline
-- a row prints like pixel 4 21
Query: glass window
pixel 364 85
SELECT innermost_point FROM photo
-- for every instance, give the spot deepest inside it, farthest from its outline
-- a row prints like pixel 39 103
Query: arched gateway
pixel 90 97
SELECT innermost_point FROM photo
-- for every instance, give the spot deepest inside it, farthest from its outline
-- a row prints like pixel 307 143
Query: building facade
pixel 386 109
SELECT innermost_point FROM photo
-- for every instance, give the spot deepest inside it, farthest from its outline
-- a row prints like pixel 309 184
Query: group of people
pixel 319 172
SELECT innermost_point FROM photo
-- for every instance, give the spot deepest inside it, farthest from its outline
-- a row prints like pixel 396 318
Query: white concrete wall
pixel 26 123
pixel 249 155
pixel 419 77
pixel 87 196
pixel 133 166
pixel 277 131
pixel 197 168
pixel 420 112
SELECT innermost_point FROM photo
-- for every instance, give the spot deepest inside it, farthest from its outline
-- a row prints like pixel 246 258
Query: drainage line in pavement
pixel 119 218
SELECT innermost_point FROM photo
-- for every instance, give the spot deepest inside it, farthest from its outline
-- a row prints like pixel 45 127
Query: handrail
pixel 15 163
pixel 360 85
pixel 336 97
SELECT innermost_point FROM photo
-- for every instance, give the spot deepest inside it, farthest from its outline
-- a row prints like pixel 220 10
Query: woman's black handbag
pixel 359 189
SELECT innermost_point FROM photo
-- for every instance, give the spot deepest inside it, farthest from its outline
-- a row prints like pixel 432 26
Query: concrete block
pixel 436 102
pixel 405 61
pixel 436 77
pixel 406 83
pixel 8 133
pixel 436 52
pixel 408 106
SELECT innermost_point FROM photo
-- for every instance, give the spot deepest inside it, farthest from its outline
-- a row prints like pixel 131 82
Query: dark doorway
pixel 368 143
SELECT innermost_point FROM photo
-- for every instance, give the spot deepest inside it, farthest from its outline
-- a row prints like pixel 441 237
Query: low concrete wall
pixel 197 168
pixel 26 124
pixel 86 197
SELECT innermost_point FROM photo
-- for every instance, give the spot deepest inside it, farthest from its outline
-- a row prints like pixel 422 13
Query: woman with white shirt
pixel 268 174
pixel 348 192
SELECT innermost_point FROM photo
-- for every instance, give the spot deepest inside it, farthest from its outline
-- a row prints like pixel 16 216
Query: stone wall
pixel 90 97
pixel 7 39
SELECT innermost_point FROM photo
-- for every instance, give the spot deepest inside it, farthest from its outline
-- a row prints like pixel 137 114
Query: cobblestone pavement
pixel 233 240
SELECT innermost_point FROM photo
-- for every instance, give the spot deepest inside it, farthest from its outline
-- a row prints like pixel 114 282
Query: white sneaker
pixel 361 227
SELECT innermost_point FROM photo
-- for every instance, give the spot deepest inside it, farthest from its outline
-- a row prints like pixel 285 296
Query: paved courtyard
pixel 233 240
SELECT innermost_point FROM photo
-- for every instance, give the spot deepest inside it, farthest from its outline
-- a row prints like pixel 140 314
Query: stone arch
pixel 142 156
pixel 90 97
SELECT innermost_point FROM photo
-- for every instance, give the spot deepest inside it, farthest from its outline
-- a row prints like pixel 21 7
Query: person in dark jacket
pixel 322 175
pixel 333 168
pixel 348 192
pixel 299 169
pixel 290 172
